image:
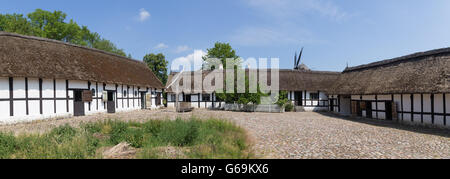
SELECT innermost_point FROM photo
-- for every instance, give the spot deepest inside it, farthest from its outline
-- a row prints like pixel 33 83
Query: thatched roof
pixel 289 80
pixel 24 56
pixel 424 72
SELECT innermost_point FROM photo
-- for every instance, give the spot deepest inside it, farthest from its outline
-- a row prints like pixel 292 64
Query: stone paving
pixel 298 135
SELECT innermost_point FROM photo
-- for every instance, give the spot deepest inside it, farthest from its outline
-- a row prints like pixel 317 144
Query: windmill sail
pixel 299 57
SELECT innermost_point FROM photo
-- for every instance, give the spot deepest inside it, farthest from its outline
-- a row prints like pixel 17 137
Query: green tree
pixel 16 23
pixel 53 25
pixel 158 64
pixel 221 51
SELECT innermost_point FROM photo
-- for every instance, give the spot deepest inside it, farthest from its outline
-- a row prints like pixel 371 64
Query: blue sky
pixel 333 33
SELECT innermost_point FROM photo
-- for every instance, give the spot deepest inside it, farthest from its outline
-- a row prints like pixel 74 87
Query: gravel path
pixel 299 135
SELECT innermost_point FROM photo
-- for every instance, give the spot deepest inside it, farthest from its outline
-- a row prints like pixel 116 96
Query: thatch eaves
pixel 25 56
pixel 424 72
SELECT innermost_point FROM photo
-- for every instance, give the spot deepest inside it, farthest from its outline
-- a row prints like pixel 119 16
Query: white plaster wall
pixel 60 88
pixel 4 88
pixel 4 109
pixel 447 105
pixel 19 87
pixel 111 87
pixel 426 103
pixel 438 103
pixel 47 88
pixel 75 84
pixel 61 107
pixel 33 88
pixel 48 107
pixel 20 110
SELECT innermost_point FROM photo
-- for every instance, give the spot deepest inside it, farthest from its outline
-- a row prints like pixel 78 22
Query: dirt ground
pixel 297 135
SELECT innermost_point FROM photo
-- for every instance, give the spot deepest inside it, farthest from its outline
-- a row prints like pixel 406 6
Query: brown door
pixel 388 111
pixel 369 109
pixel 298 97
pixel 158 99
pixel 111 105
pixel 143 103
pixel 331 105
pixel 358 108
pixel 78 104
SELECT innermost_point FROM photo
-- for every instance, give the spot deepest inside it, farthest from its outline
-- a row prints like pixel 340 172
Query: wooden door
pixel 78 104
pixel 111 105
pixel 143 103
pixel 298 96
pixel 388 111
pixel 158 99
pixel 369 109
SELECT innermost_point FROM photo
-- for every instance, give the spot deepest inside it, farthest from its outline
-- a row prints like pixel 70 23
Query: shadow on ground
pixel 392 124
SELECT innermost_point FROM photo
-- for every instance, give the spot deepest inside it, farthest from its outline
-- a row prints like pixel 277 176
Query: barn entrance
pixel 143 102
pixel 158 99
pixel 78 104
pixel 298 96
pixel 369 109
pixel 388 108
pixel 111 105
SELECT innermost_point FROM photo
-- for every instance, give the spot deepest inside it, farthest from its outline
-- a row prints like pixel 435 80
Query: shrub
pixel 289 107
pixel 62 133
pixel 178 132
pixel 7 145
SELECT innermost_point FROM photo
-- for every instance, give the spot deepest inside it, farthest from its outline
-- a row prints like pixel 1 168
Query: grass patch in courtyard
pixel 194 138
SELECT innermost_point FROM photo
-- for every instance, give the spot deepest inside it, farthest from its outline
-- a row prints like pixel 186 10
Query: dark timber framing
pixel 421 108
pixel 104 103
pixel 445 109
pixel 122 95
pixel 401 98
pixel 117 97
pixel 96 94
pixel 11 96
pixel 40 96
pixel 89 103
pixel 432 108
pixel 412 107
pixel 67 95
pixel 54 95
pixel 26 97
pixel 414 113
pixel 53 98
pixel 376 106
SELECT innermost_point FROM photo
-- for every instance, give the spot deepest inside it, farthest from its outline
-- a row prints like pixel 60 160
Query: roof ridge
pixel 3 33
pixel 398 59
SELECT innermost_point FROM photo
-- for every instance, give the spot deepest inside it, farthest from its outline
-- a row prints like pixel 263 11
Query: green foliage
pixel 222 52
pixel 196 138
pixel 289 107
pixel 158 64
pixel 63 133
pixel 7 145
pixel 53 25
pixel 282 99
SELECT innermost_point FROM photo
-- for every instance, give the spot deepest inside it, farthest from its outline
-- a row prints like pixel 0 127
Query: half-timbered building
pixel 411 89
pixel 306 89
pixel 42 78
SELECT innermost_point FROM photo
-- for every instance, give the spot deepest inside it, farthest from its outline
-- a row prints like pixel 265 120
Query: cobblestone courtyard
pixel 299 135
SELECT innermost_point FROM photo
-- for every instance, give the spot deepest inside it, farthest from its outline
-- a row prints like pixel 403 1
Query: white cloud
pixel 290 8
pixel 161 46
pixel 143 15
pixel 182 48
pixel 192 61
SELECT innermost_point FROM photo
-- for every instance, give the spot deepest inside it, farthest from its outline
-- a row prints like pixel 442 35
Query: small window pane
pixel 314 96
